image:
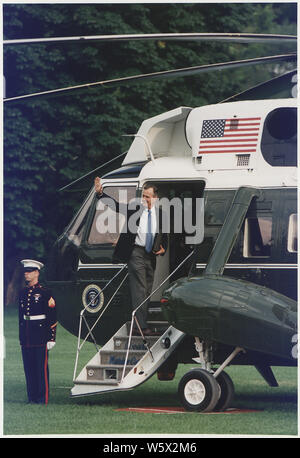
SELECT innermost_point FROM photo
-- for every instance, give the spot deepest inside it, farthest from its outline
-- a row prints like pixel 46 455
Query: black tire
pixel 227 392
pixel 198 391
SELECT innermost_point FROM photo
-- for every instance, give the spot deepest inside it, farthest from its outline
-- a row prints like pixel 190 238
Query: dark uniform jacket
pixel 126 240
pixel 36 302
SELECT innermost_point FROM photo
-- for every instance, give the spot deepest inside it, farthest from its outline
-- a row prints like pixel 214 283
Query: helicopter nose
pixel 232 311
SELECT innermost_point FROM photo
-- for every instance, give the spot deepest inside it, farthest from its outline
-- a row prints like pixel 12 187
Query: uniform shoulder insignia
pixel 51 302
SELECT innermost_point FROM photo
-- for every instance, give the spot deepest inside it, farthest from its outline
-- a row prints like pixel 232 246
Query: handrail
pixel 142 303
pixel 134 318
pixel 82 317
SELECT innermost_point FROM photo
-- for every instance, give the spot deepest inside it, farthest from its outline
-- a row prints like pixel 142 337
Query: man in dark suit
pixel 139 246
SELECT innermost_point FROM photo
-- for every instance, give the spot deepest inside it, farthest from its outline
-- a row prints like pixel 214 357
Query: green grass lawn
pixel 97 415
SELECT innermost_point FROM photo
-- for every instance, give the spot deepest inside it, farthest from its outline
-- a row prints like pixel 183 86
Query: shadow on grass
pixel 148 398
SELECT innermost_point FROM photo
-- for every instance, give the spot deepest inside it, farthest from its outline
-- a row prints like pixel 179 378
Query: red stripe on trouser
pixel 46 377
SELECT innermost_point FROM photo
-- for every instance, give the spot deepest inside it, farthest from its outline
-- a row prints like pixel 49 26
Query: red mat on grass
pixel 171 410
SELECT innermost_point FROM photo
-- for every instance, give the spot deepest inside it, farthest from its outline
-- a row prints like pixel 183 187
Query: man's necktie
pixel 149 235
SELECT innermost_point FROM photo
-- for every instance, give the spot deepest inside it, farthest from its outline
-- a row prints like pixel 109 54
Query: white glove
pixel 50 345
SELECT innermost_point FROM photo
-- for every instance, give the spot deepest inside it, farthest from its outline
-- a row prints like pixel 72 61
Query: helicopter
pixel 229 297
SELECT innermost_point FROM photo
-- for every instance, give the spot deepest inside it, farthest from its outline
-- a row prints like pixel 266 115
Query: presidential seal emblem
pixel 92 298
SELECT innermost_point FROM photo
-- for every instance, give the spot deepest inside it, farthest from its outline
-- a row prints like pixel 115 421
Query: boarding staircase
pixel 126 361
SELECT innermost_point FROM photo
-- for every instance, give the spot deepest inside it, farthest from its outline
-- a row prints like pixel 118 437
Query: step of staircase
pixel 117 357
pixel 105 374
pixel 110 369
pixel 155 325
pixel 158 326
pixel 137 342
pixel 155 312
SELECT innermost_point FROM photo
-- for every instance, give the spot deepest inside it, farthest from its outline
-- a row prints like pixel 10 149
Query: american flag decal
pixel 235 135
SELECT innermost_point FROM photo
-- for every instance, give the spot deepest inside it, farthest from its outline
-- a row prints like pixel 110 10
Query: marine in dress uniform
pixel 37 332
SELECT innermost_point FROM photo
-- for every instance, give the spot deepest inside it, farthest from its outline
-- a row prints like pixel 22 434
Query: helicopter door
pixel 183 201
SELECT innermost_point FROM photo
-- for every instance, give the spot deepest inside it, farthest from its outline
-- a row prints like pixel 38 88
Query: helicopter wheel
pixel 227 391
pixel 199 391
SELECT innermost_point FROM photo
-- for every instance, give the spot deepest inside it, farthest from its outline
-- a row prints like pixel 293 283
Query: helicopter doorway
pixel 182 202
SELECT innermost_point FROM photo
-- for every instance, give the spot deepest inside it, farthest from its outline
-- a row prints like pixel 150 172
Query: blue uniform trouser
pixel 35 361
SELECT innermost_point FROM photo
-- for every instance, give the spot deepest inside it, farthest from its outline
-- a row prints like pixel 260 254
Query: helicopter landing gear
pixel 203 390
pixel 227 392
pixel 198 391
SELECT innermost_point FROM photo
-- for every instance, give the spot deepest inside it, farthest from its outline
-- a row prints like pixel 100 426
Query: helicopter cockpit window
pixel 257 237
pixel 76 228
pixel 292 244
pixel 279 138
pixel 102 232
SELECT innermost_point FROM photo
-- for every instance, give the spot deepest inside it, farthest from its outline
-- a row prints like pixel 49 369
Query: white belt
pixel 34 317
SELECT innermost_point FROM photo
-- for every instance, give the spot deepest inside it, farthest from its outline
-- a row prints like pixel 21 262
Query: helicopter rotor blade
pixel 162 74
pixel 266 89
pixel 231 37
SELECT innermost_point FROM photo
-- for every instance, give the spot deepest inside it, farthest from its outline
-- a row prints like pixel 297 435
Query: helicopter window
pixel 279 138
pixel 257 237
pixel 293 234
pixel 110 233
pixel 76 229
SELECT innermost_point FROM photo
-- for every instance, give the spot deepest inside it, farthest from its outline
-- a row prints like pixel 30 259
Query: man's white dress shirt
pixel 140 239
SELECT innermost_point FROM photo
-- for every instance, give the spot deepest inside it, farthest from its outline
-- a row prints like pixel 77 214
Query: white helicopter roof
pixel 221 144
pixel 168 169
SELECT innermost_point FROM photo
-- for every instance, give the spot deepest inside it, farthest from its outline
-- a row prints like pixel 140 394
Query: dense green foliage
pixel 50 142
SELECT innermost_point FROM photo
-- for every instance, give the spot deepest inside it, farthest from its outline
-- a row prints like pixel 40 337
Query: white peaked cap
pixel 31 263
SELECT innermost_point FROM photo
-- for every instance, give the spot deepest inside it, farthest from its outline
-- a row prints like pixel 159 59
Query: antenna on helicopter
pixel 92 171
